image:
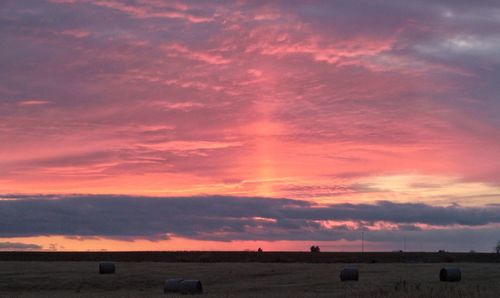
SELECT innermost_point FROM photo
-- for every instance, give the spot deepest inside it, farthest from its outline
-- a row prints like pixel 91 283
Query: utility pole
pixel 362 241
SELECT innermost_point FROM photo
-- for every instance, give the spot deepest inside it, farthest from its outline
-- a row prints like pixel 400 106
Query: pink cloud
pixel 179 146
pixel 153 9
pixel 180 50
pixel 77 33
pixel 33 102
pixel 63 1
pixel 184 106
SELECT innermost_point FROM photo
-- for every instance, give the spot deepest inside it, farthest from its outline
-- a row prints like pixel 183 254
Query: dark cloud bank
pixel 225 218
pixel 19 246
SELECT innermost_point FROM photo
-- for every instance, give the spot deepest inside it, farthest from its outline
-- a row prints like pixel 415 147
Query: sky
pixel 233 125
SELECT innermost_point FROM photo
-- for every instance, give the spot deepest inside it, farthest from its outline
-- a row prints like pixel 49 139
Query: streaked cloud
pixel 18 246
pixel 218 218
pixel 147 9
pixel 33 102
pixel 180 50
pixel 76 33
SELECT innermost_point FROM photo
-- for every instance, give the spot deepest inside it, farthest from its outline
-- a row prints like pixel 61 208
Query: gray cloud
pixel 18 246
pixel 225 218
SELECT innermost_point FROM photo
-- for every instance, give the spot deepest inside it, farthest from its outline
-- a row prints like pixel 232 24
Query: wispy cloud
pixel 154 9
pixel 33 102
pixel 76 33
pixel 19 246
pixel 180 50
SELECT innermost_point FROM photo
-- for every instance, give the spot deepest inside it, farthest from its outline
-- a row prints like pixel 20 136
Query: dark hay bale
pixel 349 274
pixel 172 285
pixel 190 286
pixel 107 268
pixel 450 274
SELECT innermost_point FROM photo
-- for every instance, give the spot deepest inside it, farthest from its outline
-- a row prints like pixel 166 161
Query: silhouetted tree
pixel 314 248
pixel 259 250
pixel 497 248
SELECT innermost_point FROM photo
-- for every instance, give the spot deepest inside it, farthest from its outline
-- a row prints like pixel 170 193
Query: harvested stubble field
pixel 145 279
pixel 246 256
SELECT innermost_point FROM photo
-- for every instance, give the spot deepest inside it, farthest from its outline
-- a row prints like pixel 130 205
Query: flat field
pixel 145 279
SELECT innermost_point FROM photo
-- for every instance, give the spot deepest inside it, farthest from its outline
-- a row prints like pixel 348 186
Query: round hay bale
pixel 190 286
pixel 107 268
pixel 349 274
pixel 172 285
pixel 450 274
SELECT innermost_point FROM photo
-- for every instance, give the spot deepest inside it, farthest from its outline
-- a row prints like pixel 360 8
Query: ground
pixel 145 279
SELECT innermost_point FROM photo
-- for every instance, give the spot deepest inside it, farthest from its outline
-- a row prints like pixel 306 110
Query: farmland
pixel 246 256
pixel 243 278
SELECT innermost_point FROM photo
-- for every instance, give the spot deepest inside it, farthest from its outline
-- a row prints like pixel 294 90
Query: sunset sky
pixel 233 125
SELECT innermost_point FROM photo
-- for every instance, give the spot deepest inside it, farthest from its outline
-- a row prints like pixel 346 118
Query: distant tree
pixel 497 248
pixel 259 250
pixel 315 248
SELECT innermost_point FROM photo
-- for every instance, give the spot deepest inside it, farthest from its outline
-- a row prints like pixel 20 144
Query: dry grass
pixel 81 279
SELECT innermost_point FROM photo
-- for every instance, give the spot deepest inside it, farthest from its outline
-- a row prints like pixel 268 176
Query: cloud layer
pixel 219 218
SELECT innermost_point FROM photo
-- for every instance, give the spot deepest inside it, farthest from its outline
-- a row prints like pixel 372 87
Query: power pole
pixel 362 241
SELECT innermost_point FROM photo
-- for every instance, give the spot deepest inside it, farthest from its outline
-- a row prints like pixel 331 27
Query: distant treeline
pixel 264 257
